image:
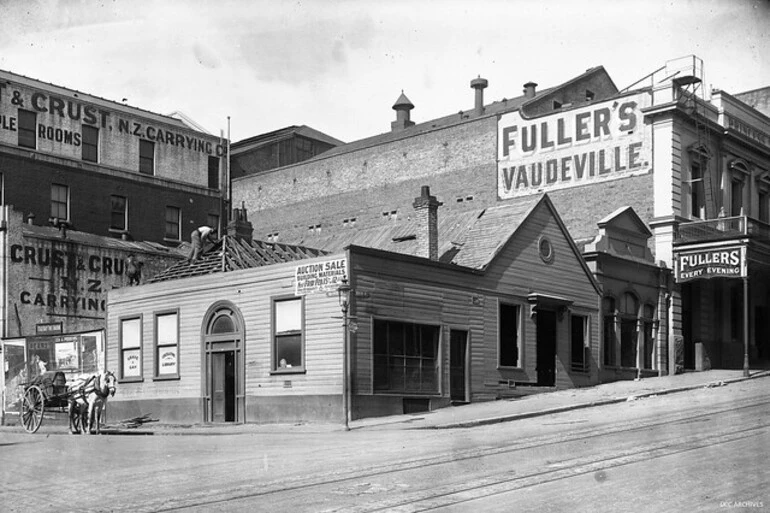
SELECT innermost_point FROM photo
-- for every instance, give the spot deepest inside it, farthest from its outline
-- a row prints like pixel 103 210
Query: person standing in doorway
pixel 201 238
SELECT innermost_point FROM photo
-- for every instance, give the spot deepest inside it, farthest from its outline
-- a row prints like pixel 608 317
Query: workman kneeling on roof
pixel 202 238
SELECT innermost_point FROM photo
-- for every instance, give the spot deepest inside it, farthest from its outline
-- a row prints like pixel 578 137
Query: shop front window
pixel 405 357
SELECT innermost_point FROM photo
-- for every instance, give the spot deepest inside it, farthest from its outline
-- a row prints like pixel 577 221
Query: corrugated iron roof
pixel 100 241
pixel 231 254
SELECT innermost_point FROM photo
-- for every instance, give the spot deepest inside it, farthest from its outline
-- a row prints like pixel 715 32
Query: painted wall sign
pixel 713 263
pixel 319 276
pixel 601 142
pixel 756 135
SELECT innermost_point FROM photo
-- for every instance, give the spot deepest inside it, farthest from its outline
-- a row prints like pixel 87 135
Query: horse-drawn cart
pixel 50 392
pixel 47 391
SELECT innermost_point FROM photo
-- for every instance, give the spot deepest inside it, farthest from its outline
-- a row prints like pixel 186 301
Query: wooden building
pixel 467 307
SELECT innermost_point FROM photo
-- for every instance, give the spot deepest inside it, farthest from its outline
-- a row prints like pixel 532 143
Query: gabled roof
pixel 98 241
pixel 231 254
pixel 281 134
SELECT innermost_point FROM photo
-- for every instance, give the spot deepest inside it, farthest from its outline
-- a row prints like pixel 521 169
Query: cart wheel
pixel 32 407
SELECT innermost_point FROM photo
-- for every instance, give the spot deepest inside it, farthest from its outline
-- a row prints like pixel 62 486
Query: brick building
pixel 632 172
pixel 89 186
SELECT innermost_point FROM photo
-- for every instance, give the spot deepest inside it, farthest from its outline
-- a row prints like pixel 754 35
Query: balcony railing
pixel 723 228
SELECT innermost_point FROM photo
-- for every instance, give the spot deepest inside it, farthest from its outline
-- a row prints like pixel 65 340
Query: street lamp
pixel 343 294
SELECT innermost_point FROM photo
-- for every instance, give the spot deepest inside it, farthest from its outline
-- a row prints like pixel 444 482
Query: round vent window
pixel 546 250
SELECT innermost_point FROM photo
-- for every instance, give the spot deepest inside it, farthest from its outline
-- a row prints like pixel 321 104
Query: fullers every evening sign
pixel 319 276
pixel 713 263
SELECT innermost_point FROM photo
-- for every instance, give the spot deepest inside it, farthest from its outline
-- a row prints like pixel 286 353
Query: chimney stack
pixel 240 228
pixel 402 108
pixel 529 89
pixel 426 218
pixel 479 84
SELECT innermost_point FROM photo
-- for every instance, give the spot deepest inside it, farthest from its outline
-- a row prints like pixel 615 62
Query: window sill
pixel 509 368
pixel 174 377
pixel 284 372
pixel 130 380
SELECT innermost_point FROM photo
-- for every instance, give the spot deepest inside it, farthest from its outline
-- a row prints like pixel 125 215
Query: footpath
pixel 477 414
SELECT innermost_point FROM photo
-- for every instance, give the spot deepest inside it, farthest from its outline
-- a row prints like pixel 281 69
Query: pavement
pixel 480 413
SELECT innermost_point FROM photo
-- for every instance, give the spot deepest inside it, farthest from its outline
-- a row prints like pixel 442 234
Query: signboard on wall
pixel 319 276
pixel 601 142
pixel 726 262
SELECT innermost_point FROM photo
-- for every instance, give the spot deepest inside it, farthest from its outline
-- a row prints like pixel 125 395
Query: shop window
pixel 60 202
pixel 697 192
pixel 608 334
pixel 146 157
pixel 27 129
pixel 405 357
pixel 288 340
pixel 173 223
pixel 90 143
pixel 578 342
pixel 214 172
pixel 130 343
pixel 649 342
pixel 508 337
pixel 167 345
pixel 629 310
pixel 118 213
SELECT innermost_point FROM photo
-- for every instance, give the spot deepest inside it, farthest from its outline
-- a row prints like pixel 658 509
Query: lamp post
pixel 343 293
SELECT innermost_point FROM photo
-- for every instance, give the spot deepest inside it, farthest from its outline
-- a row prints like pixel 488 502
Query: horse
pixel 87 400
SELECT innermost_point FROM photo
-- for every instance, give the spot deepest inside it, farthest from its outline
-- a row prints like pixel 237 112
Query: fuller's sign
pixel 727 262
pixel 602 142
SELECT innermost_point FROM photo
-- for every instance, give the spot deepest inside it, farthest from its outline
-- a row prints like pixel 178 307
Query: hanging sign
pixel 729 262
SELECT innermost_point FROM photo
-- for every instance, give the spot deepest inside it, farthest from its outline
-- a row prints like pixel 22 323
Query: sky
pixel 338 66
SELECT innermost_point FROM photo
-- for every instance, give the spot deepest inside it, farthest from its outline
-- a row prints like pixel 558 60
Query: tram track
pixel 451 493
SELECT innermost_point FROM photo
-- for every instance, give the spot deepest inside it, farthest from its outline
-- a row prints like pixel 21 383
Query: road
pixel 703 450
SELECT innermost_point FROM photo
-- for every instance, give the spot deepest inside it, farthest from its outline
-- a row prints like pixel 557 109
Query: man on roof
pixel 202 239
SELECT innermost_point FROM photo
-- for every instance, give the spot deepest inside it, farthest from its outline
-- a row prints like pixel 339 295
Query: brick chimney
pixel 479 84
pixel 402 108
pixel 426 218
pixel 529 89
pixel 240 228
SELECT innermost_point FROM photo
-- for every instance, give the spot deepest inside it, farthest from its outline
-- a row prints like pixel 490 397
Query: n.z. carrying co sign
pixel 727 262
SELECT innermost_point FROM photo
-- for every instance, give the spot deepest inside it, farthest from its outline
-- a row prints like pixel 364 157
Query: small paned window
pixel 509 354
pixel 167 345
pixel 27 131
pixel 146 157
pixel 118 213
pixel 173 223
pixel 288 347
pixel 214 172
pixel 406 357
pixel 578 340
pixel 213 221
pixel 90 143
pixel 130 343
pixel 60 202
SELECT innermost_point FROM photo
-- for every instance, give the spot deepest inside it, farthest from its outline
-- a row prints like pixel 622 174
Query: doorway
pixel 223 386
pixel 546 348
pixel 458 365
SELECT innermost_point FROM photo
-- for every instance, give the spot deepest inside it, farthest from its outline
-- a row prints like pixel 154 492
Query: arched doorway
pixel 223 367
